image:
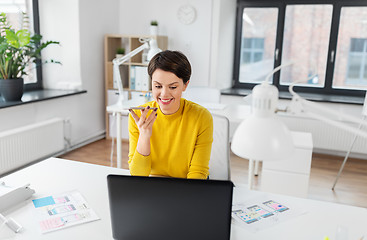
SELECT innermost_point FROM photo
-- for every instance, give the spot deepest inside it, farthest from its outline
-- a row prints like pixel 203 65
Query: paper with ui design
pixel 262 213
pixel 62 210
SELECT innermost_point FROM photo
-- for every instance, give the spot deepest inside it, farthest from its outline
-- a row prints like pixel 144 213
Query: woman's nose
pixel 164 91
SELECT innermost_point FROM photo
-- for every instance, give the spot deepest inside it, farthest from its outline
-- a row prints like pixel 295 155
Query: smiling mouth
pixel 166 101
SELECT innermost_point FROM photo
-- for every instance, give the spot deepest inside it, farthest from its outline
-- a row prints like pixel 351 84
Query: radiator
pixel 24 145
pixel 327 138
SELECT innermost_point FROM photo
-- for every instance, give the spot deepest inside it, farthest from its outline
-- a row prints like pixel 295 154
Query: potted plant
pixel 120 52
pixel 154 28
pixel 18 49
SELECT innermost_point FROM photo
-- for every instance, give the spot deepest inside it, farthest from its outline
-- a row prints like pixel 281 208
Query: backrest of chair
pixel 219 164
pixel 202 94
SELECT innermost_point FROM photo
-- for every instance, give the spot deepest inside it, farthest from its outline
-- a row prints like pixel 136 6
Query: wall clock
pixel 186 14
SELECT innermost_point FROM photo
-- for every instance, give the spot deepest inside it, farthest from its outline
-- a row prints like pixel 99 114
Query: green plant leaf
pixel 12 38
pixel 24 37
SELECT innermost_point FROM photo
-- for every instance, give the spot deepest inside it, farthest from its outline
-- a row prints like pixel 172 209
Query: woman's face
pixel 167 90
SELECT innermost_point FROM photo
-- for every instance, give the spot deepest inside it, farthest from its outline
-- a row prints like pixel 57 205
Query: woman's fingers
pixel 134 115
pixel 150 119
pixel 154 117
pixel 144 113
pixel 145 120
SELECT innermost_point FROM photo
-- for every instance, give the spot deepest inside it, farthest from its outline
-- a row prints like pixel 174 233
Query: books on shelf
pixel 139 78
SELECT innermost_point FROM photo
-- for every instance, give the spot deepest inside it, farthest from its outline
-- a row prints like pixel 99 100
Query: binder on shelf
pixel 124 74
pixel 132 78
pixel 138 82
pixel 142 78
pixel 145 80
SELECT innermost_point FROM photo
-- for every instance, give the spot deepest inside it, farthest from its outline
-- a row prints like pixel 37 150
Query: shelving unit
pixel 111 43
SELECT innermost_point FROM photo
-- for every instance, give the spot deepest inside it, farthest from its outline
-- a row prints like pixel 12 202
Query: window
pixel 13 9
pixel 305 42
pixel 351 62
pixel 326 40
pixel 257 44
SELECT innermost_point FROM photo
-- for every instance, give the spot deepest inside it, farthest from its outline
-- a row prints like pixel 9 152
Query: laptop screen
pixel 169 208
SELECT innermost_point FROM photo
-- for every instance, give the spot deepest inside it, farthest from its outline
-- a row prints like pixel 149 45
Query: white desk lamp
pixel 153 50
pixel 118 108
pixel 262 136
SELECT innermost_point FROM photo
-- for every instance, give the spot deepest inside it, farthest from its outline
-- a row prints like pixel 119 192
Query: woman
pixel 174 139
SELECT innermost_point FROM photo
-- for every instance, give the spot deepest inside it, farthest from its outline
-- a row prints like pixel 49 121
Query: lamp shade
pixel 262 136
pixel 264 139
pixel 153 49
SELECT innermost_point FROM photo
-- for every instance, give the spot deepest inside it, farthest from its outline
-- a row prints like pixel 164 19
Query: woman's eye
pixel 173 88
pixel 158 86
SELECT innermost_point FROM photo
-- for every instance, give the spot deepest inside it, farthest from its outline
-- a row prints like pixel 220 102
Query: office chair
pixel 202 95
pixel 219 164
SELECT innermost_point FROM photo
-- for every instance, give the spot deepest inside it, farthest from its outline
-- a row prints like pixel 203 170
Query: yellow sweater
pixel 180 143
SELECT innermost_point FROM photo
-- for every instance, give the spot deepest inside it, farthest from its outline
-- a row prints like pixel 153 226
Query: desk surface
pixel 54 176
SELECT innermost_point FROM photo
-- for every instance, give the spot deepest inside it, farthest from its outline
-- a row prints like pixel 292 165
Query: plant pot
pixel 119 55
pixel 11 89
pixel 153 30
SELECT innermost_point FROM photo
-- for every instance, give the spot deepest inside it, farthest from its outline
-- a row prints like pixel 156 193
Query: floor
pixel 351 188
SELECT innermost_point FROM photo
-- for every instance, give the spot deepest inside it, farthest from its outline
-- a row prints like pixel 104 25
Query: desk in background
pixel 54 176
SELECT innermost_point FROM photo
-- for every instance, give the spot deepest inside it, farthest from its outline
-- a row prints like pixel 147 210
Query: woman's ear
pixel 185 85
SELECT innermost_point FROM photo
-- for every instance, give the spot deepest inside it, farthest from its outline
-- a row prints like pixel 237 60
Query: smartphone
pixel 276 206
pixel 141 108
pixel 258 212
pixel 247 217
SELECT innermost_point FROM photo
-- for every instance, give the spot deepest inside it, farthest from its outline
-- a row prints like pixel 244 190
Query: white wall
pixel 223 36
pixel 194 40
pixel 80 27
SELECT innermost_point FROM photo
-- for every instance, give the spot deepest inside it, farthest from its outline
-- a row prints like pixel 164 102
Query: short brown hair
pixel 171 61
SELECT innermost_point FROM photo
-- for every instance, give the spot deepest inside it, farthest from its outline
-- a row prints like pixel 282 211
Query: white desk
pixel 54 176
pixel 121 111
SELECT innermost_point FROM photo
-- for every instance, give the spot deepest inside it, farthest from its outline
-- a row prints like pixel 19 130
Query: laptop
pixel 169 208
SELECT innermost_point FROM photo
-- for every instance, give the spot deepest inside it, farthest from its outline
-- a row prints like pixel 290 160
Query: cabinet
pixel 291 175
pixel 128 69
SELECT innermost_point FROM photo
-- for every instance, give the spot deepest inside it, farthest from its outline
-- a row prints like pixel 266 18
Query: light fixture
pixel 150 44
pixel 118 108
pixel 261 136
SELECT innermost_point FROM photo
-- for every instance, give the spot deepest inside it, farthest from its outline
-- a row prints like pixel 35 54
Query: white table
pixel 119 111
pixel 54 176
pixel 122 111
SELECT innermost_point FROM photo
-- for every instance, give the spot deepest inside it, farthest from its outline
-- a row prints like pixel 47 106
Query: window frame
pixel 38 85
pixel 281 5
